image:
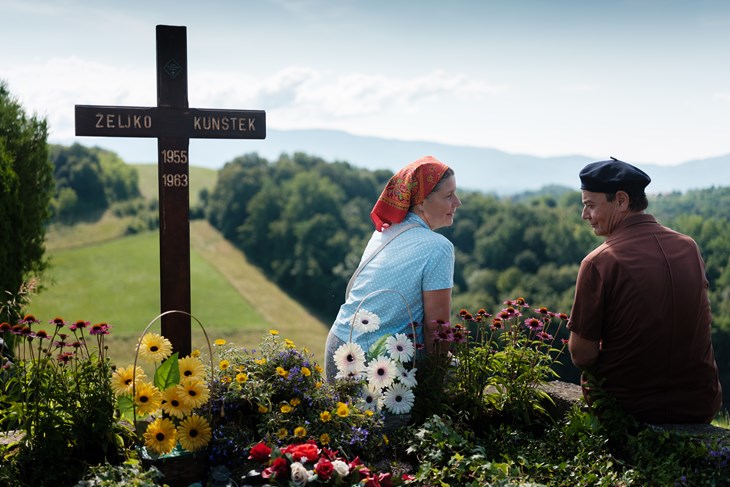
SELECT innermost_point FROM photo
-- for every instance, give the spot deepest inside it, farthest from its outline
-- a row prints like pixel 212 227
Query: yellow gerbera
pixel 274 332
pixel 122 379
pixel 219 342
pixel 282 433
pixel 147 398
pixel 160 436
pixel 223 364
pixel 325 416
pixel 324 439
pixel 289 343
pixel 191 367
pixel 285 408
pixel 194 433
pixel 295 402
pixel 172 404
pixel 306 372
pixel 342 410
pixel 241 377
pixel 300 431
pixel 193 393
pixel 282 372
pixel 154 348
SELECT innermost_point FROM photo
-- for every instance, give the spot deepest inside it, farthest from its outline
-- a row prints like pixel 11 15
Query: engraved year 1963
pixel 175 180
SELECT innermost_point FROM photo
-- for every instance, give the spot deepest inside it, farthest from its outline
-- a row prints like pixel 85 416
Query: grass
pixel 116 280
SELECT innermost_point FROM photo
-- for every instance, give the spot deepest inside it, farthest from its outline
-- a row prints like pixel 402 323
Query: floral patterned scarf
pixel 406 188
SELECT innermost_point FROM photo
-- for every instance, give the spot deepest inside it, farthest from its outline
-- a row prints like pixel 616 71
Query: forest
pixel 305 221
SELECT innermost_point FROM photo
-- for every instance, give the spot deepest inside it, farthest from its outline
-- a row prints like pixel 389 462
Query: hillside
pixel 231 298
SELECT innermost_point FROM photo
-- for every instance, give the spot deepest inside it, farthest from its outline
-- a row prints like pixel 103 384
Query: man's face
pixel 603 215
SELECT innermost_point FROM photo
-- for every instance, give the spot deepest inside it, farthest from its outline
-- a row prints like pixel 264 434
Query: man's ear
pixel 622 198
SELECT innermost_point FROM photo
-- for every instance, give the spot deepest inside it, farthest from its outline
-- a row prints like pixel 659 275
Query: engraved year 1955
pixel 174 156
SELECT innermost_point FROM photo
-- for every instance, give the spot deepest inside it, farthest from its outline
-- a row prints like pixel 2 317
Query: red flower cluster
pixel 307 463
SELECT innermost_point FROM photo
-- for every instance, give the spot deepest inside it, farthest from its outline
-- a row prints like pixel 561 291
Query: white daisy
pixel 398 399
pixel 350 359
pixel 381 372
pixel 400 347
pixel 365 321
pixel 407 377
pixel 371 397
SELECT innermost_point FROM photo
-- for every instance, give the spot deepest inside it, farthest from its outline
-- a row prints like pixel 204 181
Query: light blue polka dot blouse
pixel 417 260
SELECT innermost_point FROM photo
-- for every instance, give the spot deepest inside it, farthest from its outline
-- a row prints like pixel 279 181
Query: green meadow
pixel 98 274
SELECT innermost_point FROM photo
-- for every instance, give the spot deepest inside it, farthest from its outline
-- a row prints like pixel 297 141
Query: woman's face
pixel 439 207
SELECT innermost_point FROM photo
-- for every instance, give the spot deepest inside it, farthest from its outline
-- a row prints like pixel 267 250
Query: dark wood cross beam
pixel 173 124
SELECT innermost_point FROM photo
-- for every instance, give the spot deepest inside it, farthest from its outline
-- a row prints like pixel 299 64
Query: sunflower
pixel 160 436
pixel 172 405
pixel 154 348
pixel 122 379
pixel 147 398
pixel 343 410
pixel 193 393
pixel 191 367
pixel 194 433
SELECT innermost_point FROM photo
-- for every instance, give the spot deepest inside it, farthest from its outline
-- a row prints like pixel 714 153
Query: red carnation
pixel 279 469
pixel 324 469
pixel 260 453
pixel 307 451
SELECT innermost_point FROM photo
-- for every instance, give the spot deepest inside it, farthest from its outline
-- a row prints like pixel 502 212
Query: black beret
pixel 613 175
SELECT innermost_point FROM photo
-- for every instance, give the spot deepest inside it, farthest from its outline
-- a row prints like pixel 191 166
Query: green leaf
pixel 168 374
pixel 126 406
pixel 378 348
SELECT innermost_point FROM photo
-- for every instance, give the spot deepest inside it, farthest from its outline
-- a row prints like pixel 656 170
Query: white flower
pixel 365 321
pixel 407 377
pixel 299 474
pixel 371 397
pixel 381 372
pixel 398 399
pixel 350 359
pixel 342 468
pixel 400 347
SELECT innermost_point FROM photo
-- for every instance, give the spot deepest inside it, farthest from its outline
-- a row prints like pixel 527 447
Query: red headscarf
pixel 406 188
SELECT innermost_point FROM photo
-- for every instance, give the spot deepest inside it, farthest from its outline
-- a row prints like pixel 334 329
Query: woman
pixel 407 270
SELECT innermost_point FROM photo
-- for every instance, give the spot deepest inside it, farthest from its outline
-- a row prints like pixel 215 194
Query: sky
pixel 643 80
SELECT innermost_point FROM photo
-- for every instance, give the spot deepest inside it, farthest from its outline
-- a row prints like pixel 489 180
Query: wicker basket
pixel 180 468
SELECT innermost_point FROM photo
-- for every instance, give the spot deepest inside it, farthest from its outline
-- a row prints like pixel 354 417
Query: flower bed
pixel 266 416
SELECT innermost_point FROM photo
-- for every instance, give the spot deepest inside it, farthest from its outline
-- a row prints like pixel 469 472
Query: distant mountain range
pixel 477 168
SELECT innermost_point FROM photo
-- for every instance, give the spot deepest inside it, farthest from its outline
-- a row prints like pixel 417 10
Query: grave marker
pixel 173 123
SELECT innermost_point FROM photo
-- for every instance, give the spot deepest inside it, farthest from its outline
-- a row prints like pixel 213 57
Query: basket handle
pixel 139 342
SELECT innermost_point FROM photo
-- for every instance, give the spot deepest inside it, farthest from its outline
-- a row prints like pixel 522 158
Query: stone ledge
pixel 565 394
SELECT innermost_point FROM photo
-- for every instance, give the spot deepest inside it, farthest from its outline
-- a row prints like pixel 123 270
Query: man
pixel 641 317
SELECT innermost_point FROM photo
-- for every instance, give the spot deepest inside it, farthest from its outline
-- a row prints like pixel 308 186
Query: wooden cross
pixel 173 124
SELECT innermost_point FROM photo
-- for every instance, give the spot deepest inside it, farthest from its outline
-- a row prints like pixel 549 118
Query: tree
pixel 26 187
